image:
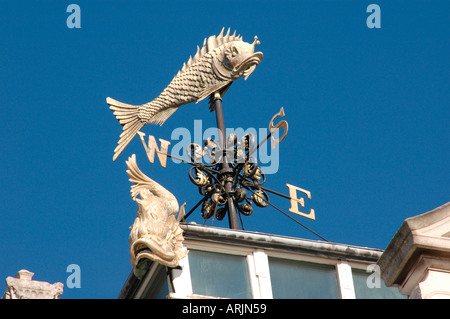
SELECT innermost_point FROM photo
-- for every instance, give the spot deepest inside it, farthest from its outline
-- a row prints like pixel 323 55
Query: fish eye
pixel 234 51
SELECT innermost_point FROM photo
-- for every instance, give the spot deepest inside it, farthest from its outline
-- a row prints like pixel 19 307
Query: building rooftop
pixel 227 263
pixel 245 238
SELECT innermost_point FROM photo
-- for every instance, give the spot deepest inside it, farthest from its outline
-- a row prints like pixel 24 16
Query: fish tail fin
pixel 128 116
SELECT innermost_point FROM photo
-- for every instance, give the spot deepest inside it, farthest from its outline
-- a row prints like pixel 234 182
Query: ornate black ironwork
pixel 232 178
pixel 232 181
pixel 244 174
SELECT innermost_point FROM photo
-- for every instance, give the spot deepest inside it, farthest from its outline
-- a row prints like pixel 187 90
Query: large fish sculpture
pixel 221 60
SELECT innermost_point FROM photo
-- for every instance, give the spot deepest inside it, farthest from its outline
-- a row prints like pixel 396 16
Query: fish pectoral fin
pixel 211 89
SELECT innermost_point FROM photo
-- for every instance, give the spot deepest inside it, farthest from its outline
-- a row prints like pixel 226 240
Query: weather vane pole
pixel 226 171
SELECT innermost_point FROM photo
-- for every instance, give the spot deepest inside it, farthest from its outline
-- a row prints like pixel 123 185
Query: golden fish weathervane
pixel 221 60
pixel 232 181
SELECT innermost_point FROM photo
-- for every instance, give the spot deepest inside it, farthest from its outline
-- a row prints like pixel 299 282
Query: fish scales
pixel 183 89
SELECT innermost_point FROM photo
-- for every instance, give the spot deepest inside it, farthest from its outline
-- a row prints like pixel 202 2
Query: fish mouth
pixel 246 67
pixel 147 248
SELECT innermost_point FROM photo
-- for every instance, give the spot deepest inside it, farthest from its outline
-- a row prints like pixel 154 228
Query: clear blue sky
pixel 368 113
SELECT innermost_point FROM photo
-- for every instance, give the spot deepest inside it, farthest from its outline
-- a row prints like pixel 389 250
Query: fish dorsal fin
pixel 210 44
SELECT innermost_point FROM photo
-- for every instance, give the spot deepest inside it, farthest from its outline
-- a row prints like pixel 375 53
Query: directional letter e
pixel 74 20
pixel 374 20
pixel 295 201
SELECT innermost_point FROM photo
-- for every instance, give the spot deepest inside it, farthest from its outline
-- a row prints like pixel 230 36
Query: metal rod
pixel 226 169
pixel 192 210
pixel 307 228
pixel 260 144
pixel 287 215
pixel 275 192
pixel 177 158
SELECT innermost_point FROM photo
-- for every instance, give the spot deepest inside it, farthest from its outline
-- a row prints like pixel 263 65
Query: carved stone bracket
pixel 156 234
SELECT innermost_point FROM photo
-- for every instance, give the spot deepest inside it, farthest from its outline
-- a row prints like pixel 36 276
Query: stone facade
pixel 22 286
pixel 417 260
